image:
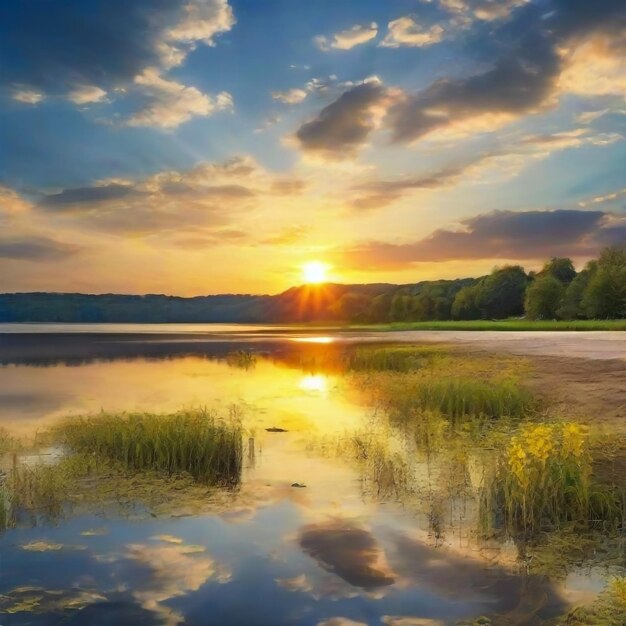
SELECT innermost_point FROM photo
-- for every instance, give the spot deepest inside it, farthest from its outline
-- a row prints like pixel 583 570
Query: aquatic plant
pixel 195 441
pixel 460 397
pixel 543 479
pixel 391 359
pixel 454 397
pixel 381 464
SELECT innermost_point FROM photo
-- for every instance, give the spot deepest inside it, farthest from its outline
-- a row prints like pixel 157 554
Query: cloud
pixel 342 128
pixel 595 67
pixel 208 196
pixel 406 32
pixel 78 197
pixel 41 249
pixel 291 96
pixel 483 9
pixel 505 160
pixel 535 49
pixel 377 193
pixel 86 94
pixel 82 55
pixel 202 21
pixel 347 39
pixel 518 83
pixel 509 235
pixel 170 104
pixel 27 96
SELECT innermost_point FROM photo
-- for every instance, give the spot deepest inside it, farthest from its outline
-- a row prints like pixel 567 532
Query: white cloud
pixel 407 32
pixel 27 96
pixel 86 94
pixel 203 20
pixel 290 96
pixel 347 39
pixel 170 103
pixel 594 68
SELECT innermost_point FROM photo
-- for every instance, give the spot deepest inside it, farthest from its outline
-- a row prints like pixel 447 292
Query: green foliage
pixel 465 305
pixel 544 297
pixel 572 306
pixel 196 442
pixel 605 295
pixel 560 268
pixel 501 294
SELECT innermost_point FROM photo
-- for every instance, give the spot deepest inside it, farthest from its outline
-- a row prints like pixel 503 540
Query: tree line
pixel 558 291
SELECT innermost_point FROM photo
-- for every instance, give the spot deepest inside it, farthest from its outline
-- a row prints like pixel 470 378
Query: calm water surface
pixel 269 554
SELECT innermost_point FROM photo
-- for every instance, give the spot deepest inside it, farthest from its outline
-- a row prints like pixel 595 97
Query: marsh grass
pixel 543 480
pixel 392 359
pixel 408 398
pixel 196 442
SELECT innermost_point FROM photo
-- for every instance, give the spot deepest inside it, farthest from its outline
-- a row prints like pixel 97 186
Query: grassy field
pixel 515 324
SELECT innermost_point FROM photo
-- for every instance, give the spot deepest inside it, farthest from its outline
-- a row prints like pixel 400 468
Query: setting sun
pixel 314 272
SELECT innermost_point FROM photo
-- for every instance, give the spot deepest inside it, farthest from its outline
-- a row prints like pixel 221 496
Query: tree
pixel 465 306
pixel 561 268
pixel 501 294
pixel 544 297
pixel 605 295
pixel 572 307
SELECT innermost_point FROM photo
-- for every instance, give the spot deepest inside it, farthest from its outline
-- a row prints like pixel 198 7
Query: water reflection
pixel 314 382
pixel 333 552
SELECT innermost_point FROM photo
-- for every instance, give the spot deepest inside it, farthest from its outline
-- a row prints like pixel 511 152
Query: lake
pixel 312 534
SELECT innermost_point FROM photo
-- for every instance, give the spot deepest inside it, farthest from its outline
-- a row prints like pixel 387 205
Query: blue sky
pixel 196 146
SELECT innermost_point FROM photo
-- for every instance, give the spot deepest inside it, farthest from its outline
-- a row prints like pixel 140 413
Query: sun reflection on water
pixel 323 340
pixel 316 383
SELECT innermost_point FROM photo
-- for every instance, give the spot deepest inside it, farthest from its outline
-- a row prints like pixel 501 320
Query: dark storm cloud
pixel 36 249
pixel 69 199
pixel 52 45
pixel 342 127
pixel 525 71
pixel 499 235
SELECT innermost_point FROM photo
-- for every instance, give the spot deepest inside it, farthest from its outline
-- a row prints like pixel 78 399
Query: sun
pixel 314 272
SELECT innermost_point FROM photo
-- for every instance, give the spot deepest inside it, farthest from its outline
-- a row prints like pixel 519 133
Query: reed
pixel 196 442
pixel 407 398
pixel 391 359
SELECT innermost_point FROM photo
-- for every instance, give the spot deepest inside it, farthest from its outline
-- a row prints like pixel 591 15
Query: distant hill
pixel 328 302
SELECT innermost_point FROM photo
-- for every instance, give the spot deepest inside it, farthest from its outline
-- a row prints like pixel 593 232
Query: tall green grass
pixel 391 359
pixel 457 398
pixel 196 442
pixel 461 396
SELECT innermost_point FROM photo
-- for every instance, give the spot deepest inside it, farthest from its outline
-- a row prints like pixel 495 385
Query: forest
pixel 557 291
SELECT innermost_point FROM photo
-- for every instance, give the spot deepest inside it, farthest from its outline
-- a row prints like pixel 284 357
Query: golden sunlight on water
pixel 314 382
pixel 320 340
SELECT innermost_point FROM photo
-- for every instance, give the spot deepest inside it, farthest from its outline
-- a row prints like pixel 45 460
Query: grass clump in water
pixel 194 442
pixel 543 480
pixel 391 359
pixel 465 397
